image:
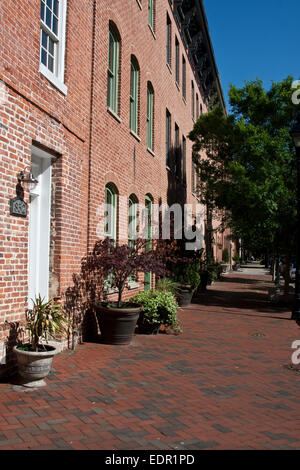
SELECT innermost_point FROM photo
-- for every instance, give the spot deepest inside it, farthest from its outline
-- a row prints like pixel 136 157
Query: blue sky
pixel 255 39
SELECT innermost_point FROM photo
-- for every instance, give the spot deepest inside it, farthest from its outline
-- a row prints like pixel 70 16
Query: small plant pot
pixel 225 268
pixel 185 295
pixel 117 325
pixel 35 366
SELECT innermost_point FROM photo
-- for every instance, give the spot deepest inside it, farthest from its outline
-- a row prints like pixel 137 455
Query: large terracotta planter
pixel 117 325
pixel 35 366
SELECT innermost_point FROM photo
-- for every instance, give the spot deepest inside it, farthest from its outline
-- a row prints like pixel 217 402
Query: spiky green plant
pixel 44 321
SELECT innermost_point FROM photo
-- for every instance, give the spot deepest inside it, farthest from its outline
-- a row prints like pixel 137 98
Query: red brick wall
pixel 32 110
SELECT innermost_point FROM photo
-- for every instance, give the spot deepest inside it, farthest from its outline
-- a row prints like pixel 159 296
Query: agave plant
pixel 45 320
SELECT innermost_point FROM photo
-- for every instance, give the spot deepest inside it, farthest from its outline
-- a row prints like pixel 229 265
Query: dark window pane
pixel 49 3
pixel 51 47
pixel 48 17
pixel 50 63
pixel 55 7
pixel 42 10
pixel 44 39
pixel 43 56
pixel 55 25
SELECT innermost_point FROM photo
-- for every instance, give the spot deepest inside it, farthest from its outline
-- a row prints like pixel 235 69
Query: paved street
pixel 225 383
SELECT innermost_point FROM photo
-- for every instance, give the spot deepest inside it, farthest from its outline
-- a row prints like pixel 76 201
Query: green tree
pixel 250 168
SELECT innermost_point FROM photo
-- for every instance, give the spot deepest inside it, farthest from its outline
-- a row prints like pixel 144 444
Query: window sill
pixel 114 115
pixel 53 79
pixel 151 151
pixel 151 29
pixel 135 135
pixel 133 285
pixel 169 67
pixel 139 4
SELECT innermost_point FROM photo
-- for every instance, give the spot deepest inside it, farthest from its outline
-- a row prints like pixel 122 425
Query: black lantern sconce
pixel 26 176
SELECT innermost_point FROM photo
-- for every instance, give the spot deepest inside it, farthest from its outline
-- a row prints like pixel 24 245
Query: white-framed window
pixel 132 230
pixel 53 39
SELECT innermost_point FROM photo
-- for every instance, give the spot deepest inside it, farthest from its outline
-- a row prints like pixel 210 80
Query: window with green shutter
pixel 148 204
pixel 150 116
pixel 168 138
pixel 151 13
pixel 177 61
pixel 110 228
pixel 134 95
pixel 183 77
pixel 169 41
pixel 113 68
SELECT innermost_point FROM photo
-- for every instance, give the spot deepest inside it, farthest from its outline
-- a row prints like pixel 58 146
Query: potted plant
pixel 118 263
pixel 159 308
pixel 225 259
pixel 44 321
pixel 187 275
pixel 237 261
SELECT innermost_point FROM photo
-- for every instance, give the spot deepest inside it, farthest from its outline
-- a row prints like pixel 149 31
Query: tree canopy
pixel 247 166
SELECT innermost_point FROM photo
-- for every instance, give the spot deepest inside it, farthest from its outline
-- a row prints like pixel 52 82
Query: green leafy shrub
pixel 214 271
pixel 236 257
pixel 225 256
pixel 167 285
pixel 188 274
pixel 158 307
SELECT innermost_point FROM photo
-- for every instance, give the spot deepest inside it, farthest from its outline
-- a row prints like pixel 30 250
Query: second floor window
pixel 193 100
pixel 169 41
pixel 177 61
pixel 183 77
pixel 134 95
pixel 151 13
pixel 113 69
pixel 168 138
pixel 52 49
pixel 150 116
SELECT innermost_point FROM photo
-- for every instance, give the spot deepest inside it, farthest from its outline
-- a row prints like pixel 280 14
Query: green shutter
pixel 149 117
pixel 113 71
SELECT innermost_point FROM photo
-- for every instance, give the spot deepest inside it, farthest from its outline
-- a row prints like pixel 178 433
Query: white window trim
pixel 58 80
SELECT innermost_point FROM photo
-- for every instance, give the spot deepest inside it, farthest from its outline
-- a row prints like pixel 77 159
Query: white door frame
pixel 39 226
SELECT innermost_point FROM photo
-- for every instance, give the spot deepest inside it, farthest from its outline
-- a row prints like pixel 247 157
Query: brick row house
pixel 97 100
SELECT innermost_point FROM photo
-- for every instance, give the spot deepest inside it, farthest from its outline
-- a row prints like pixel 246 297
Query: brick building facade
pixel 96 100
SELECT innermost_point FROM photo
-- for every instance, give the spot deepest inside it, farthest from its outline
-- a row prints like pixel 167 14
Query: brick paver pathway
pixel 225 383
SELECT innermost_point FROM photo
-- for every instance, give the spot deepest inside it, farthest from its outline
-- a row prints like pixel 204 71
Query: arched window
pixel 148 205
pixel 110 228
pixel 132 227
pixel 134 95
pixel 150 116
pixel 113 68
pixel 132 219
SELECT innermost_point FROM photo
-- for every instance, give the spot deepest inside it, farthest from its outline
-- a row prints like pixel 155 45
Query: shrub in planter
pixel 159 308
pixel 237 262
pixel 188 276
pixel 44 321
pixel 166 284
pixel 117 320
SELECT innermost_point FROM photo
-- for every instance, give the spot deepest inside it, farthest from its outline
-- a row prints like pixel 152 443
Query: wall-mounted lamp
pixel 26 176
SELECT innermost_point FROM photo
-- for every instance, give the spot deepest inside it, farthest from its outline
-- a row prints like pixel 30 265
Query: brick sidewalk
pixel 224 384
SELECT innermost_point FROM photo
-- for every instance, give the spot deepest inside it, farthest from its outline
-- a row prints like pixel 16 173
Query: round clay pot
pixel 117 325
pixel 35 366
